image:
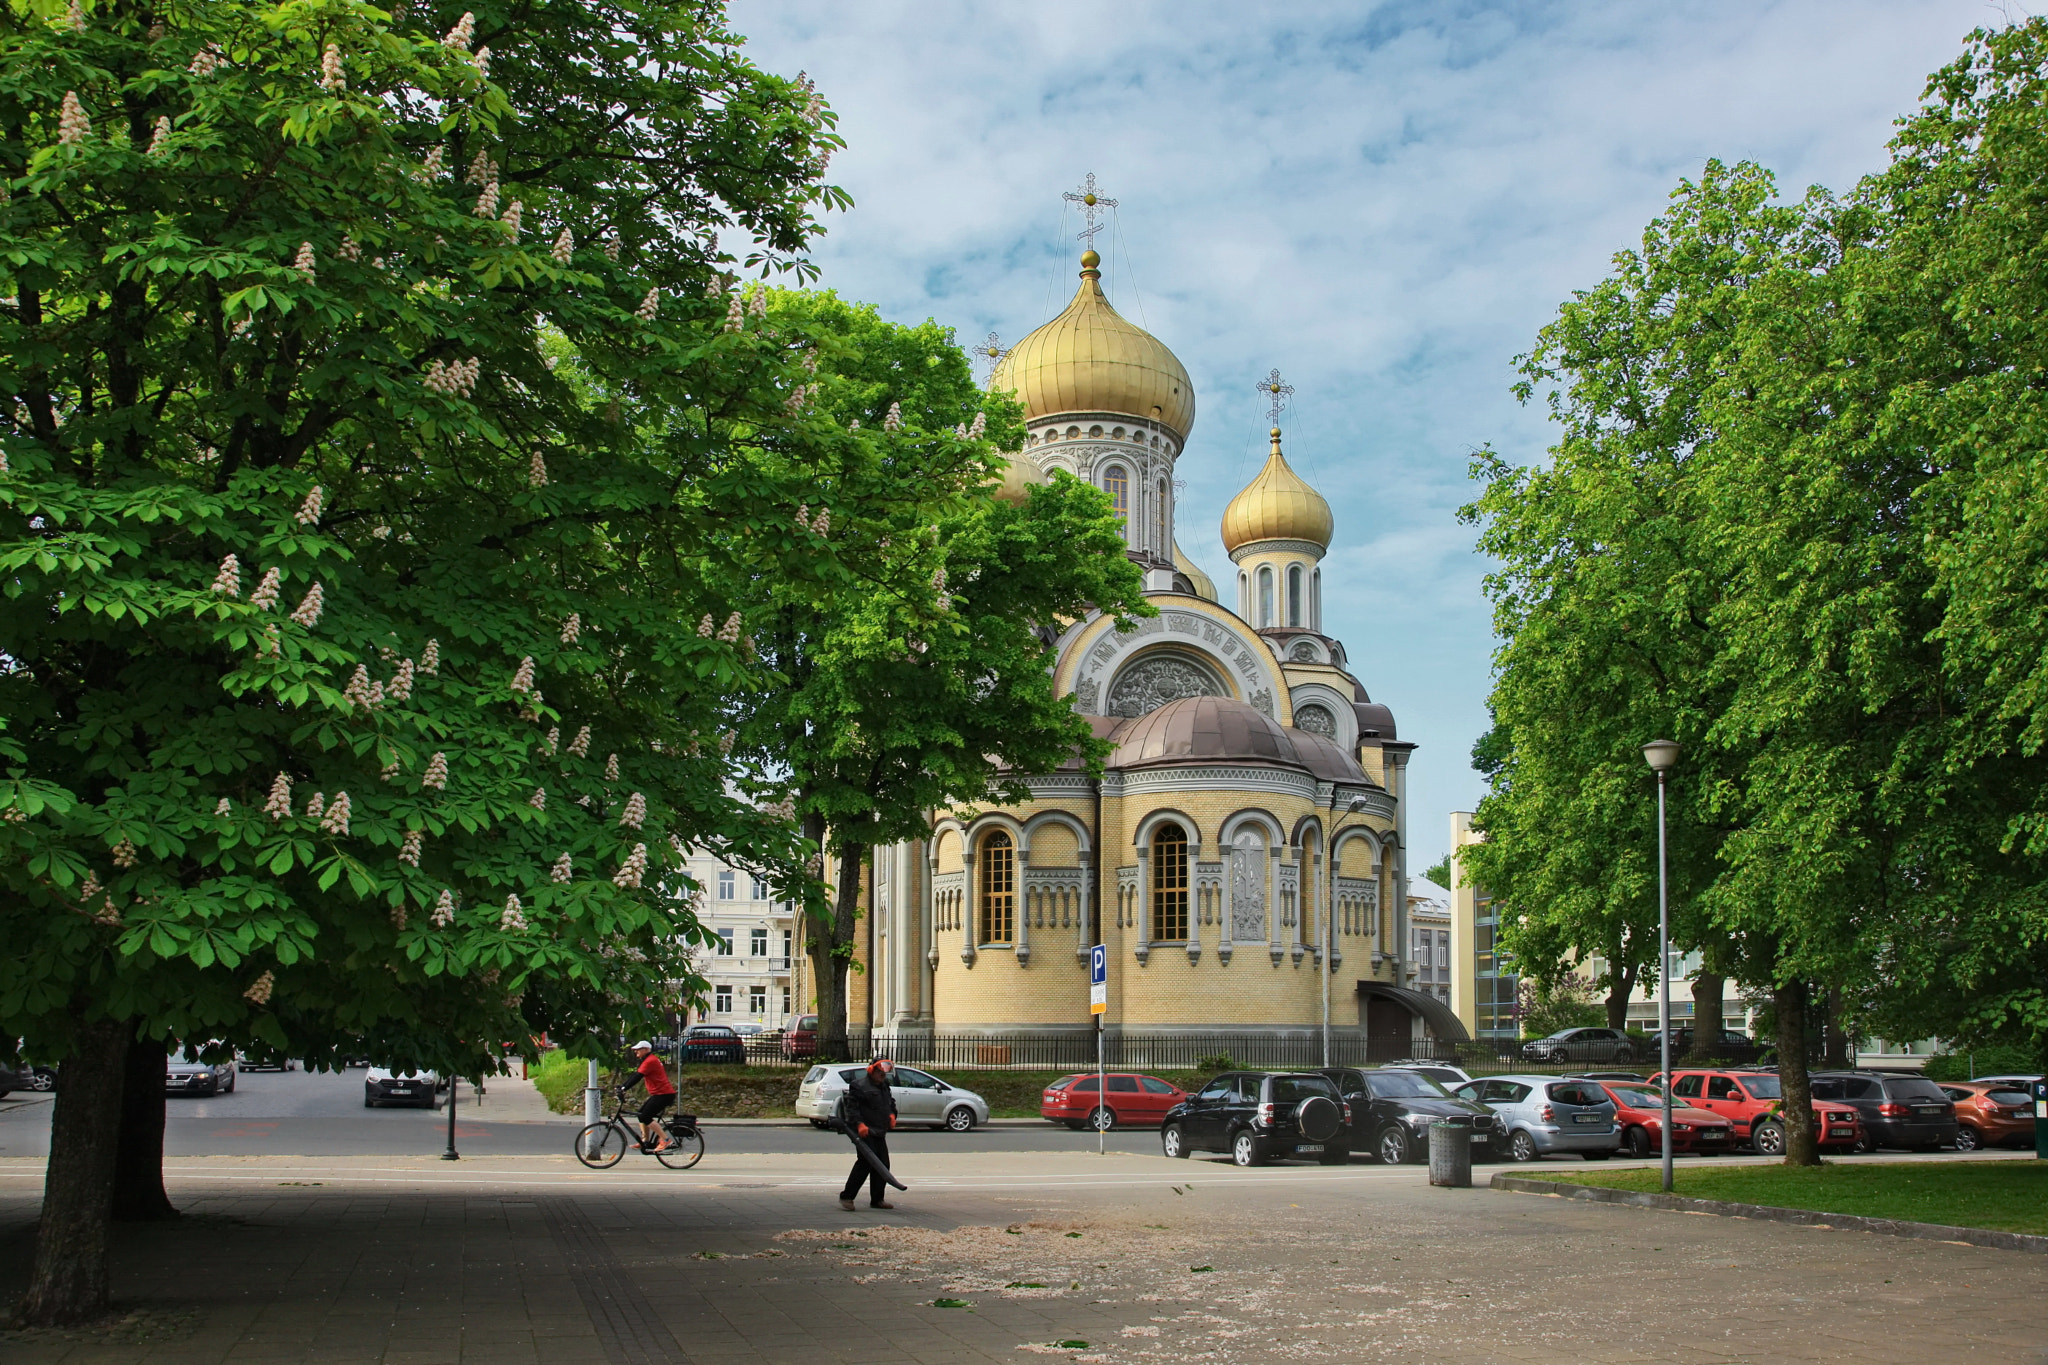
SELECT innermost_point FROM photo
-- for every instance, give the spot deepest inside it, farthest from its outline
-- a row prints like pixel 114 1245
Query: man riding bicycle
pixel 661 1093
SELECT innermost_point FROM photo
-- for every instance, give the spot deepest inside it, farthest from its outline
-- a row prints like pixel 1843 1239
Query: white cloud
pixel 1385 202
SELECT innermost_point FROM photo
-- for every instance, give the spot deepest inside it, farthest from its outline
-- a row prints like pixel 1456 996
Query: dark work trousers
pixel 878 1143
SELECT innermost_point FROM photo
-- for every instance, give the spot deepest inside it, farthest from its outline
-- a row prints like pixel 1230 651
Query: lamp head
pixel 1357 805
pixel 1661 754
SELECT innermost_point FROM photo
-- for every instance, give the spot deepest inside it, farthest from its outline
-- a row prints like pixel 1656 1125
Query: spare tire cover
pixel 1318 1118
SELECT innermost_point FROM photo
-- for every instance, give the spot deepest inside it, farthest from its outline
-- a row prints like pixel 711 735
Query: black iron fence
pixel 1195 1050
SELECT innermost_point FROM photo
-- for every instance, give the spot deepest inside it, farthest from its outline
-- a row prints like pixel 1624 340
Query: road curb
pixel 1845 1222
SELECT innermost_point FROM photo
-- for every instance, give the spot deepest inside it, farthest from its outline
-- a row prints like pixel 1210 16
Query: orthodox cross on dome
pixel 1091 204
pixel 994 350
pixel 1277 391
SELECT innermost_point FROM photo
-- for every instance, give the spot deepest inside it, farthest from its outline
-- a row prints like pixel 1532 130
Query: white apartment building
pixel 1429 935
pixel 748 965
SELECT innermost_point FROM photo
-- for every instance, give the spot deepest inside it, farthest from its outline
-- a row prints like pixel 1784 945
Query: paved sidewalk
pixel 747 1260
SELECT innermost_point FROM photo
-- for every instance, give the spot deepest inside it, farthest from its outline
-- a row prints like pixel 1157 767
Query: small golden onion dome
pixel 1020 476
pixel 1204 586
pixel 1277 505
pixel 1089 359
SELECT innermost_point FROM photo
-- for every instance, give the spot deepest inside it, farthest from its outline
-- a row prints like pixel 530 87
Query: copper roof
pixel 1201 729
pixel 1326 759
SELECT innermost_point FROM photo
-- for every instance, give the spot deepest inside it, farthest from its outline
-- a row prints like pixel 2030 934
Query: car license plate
pixel 400 1090
pixel 1929 1110
pixel 1479 1139
pixel 1308 1146
pixel 1589 1118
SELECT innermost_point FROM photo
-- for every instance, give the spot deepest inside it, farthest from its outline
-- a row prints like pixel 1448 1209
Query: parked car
pixel 185 1074
pixel 1392 1108
pixel 1582 1045
pixel 749 1030
pixel 922 1099
pixel 1990 1114
pixel 1895 1111
pixel 713 1043
pixel 2016 1081
pixel 384 1085
pixel 1443 1073
pixel 1547 1116
pixel 246 1062
pixel 800 1039
pixel 1734 1046
pixel 27 1078
pixel 1639 1109
pixel 1259 1116
pixel 1132 1100
pixel 1636 1076
pixel 1750 1099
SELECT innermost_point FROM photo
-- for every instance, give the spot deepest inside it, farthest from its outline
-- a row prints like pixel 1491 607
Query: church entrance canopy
pixel 1379 999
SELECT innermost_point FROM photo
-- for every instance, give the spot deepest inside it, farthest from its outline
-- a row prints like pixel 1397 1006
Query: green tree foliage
pixel 918 676
pixel 1844 561
pixel 1565 1001
pixel 371 400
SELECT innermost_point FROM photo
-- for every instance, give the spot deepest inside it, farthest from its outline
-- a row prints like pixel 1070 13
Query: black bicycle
pixel 605 1143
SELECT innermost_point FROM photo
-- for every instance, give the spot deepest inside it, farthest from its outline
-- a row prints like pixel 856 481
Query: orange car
pixel 1990 1114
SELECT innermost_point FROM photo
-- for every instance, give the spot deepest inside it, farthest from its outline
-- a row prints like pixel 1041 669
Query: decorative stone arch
pixel 1161 674
pixel 1343 731
pixel 1092 659
pixel 1057 898
pixel 1083 836
pixel 1141 838
pixel 967 895
pixel 1250 844
pixel 1134 893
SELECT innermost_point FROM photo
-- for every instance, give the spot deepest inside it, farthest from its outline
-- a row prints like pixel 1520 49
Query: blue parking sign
pixel 1098 965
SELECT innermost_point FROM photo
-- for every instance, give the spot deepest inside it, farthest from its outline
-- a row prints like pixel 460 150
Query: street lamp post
pixel 1662 754
pixel 1330 920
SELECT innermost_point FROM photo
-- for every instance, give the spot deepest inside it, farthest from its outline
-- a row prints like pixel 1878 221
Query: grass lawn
pixel 2006 1196
pixel 768 1092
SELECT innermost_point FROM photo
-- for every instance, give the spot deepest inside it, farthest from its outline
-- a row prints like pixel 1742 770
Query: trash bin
pixel 2040 1089
pixel 1450 1152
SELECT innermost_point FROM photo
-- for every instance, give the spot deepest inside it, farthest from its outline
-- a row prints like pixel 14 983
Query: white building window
pixel 760 890
pixel 724 942
pixel 727 884
pixel 757 1000
pixel 757 943
pixel 785 1000
pixel 721 999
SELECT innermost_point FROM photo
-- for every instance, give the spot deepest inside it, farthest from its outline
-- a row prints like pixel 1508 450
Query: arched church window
pixel 998 889
pixel 1294 594
pixel 1316 609
pixel 1265 595
pixel 1169 884
pixel 1165 537
pixel 1117 484
pixel 1244 595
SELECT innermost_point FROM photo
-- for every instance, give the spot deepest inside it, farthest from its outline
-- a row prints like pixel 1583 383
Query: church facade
pixel 1242 857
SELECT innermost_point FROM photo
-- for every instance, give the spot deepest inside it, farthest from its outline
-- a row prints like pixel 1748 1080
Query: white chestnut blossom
pixel 224 807
pixel 706 626
pixel 893 420
pixel 635 814
pixel 565 246
pixel 160 136
pixel 431 167
pixel 649 305
pixel 547 746
pixel 75 16
pixel 430 658
pixel 483 62
pixel 444 911
pixel 730 631
pixel 260 989
pixel 124 854
pixel 401 682
pixel 332 77
pixel 979 427
pixel 317 807
pixel 73 127
pixel 206 61
pixel 536 472
pixel 409 851
pixel 513 216
pixel 580 745
pixel 357 693
pixel 280 803
pixel 611 248
pixel 456 380
pixel 463 34
pixel 487 202
pixel 350 249
pixel 522 680
pixel 821 525
pixel 562 870
pixel 539 799
pixel 308 614
pixel 303 263
pixel 633 869
pixel 265 595
pixel 572 627
pixel 735 314
pixel 309 510
pixel 228 582
pixel 757 302
pixel 611 768
pixel 514 917
pixel 336 819
pixel 437 772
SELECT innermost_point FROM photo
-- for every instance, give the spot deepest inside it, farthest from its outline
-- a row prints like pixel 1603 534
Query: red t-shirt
pixel 656 1076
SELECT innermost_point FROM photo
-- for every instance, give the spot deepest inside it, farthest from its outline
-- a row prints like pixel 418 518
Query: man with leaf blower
pixel 866 1114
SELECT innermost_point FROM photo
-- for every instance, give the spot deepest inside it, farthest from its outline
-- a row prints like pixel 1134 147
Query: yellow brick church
pixel 1242 857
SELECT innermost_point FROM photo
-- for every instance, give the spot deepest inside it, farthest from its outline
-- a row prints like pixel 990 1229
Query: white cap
pixel 643 1043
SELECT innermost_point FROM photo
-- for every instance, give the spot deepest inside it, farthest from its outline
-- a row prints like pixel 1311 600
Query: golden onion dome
pixel 1089 359
pixel 1277 505
pixel 1020 476
pixel 1204 586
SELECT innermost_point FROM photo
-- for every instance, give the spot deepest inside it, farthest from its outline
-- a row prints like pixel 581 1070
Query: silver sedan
pixel 922 1099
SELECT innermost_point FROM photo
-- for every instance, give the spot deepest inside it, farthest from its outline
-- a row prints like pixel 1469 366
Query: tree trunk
pixel 139 1160
pixel 1621 985
pixel 1709 1020
pixel 69 1281
pixel 1802 1145
pixel 832 953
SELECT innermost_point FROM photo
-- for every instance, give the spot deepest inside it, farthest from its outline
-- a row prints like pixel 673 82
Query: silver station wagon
pixel 1545 1116
pixel 922 1099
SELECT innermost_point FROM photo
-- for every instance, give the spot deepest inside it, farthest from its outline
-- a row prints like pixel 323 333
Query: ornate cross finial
pixel 994 350
pixel 1091 204
pixel 1277 391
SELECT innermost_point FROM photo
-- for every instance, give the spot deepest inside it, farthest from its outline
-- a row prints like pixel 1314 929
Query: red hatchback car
pixel 1639 1109
pixel 1749 1100
pixel 1134 1100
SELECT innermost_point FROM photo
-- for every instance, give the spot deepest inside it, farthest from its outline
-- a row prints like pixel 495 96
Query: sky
pixel 1385 202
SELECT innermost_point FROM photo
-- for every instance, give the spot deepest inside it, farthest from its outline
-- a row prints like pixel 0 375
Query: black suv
pixel 1897 1111
pixel 1259 1115
pixel 1391 1110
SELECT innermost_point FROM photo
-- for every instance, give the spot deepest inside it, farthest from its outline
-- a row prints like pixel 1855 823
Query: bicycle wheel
pixel 685 1149
pixel 601 1145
